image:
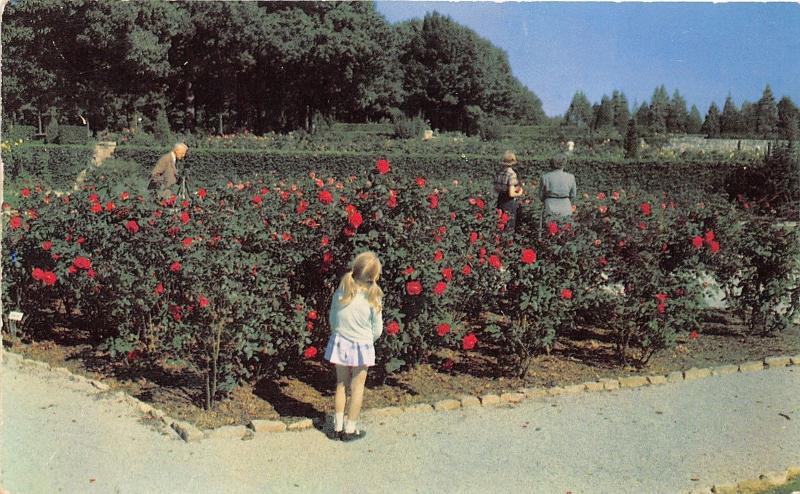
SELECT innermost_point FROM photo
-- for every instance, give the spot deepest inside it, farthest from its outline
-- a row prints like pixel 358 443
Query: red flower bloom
pixel 438 255
pixel 694 335
pixel 81 262
pixel 72 270
pixel 408 271
pixel 96 207
pixel 393 328
pixel 256 199
pixel 447 273
pixel 49 278
pixel 37 274
pixel 420 181
pixel 392 202
pixel 714 246
pixel 440 288
pixel 110 206
pixel 91 273
pixel 709 237
pixel 47 245
pixel 601 196
pixel 202 301
pixel 615 195
pixel 177 312
pixel 356 220
pixel 124 196
pixel 662 297
pixel 433 199
pixel 414 287
pixel 175 267
pixel 133 355
pixel 603 261
pixel 480 203
pixel 184 217
pixel 15 222
pixel 325 240
pixel 528 256
pixel 284 196
pixel 132 226
pixel 697 241
pixel 566 294
pixel 348 232
pixel 466 270
pixel 186 242
pixel 310 325
pixel 469 341
pixel 645 207
pixel 312 315
pixel 310 352
pixel 325 197
pixel 93 198
pixel 552 228
pixel 442 329
pixel 473 237
pixel 448 364
pixel 25 192
pixel 661 308
pixel 159 289
pixel 80 241
pixel 302 206
pixel 494 261
pixel 382 166
pixel 202 193
pixel 642 225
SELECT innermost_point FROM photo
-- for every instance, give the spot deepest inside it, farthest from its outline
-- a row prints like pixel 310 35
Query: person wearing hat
pixel 508 188
pixel 557 189
pixel 165 174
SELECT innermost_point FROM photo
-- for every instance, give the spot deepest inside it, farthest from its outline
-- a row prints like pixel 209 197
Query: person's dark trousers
pixel 511 208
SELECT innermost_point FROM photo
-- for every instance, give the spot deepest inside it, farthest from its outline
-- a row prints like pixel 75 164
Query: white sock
pixel 350 426
pixel 338 421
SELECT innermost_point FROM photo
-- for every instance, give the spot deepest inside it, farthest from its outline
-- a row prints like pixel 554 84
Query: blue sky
pixel 704 50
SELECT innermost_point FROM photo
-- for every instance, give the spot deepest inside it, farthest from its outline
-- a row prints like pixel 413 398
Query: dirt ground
pixel 586 356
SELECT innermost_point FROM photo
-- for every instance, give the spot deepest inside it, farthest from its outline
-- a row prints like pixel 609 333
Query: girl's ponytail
pixel 348 288
pixel 375 296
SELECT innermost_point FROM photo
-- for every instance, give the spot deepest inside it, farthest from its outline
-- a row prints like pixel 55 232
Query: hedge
pixel 72 134
pixel 14 132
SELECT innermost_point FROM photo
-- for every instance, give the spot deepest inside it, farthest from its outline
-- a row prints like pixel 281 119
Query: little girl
pixel 356 323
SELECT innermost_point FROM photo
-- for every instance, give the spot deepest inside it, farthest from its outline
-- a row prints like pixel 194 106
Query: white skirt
pixel 349 353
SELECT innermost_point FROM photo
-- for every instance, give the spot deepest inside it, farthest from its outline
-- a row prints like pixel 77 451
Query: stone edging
pixel 190 433
pixel 764 481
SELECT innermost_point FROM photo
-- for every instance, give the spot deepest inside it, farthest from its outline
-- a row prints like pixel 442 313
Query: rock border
pixel 190 433
pixel 767 480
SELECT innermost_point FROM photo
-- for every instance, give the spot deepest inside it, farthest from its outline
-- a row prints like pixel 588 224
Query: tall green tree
pixel 695 121
pixel 788 113
pixel 631 142
pixel 603 114
pixel 621 111
pixel 711 124
pixel 766 113
pixel 659 109
pixel 579 112
pixel 677 114
pixel 730 119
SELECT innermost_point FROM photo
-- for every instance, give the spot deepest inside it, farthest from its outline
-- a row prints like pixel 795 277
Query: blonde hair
pixel 363 276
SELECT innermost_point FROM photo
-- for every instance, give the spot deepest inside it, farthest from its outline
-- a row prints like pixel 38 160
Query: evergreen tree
pixel 711 125
pixel 659 108
pixel 631 143
pixel 579 112
pixel 730 120
pixel 621 111
pixel 603 113
pixel 788 113
pixel 643 115
pixel 767 113
pixel 748 119
pixel 695 121
pixel 677 115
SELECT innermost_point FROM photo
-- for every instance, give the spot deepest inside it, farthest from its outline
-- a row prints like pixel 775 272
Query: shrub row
pixel 235 281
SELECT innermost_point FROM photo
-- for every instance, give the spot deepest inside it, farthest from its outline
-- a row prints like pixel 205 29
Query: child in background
pixel 356 323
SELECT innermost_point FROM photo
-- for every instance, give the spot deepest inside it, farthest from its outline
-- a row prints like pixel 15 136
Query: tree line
pixel 262 66
pixel 663 114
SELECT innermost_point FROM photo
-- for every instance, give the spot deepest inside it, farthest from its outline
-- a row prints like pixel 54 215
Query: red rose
pixel 393 328
pixel 615 195
pixel 81 241
pixel 186 242
pixel 392 202
pixel 15 222
pixel 466 270
pixel 433 199
pixel 93 198
pixel 566 294
pixel 175 267
pixel 469 341
pixel 184 204
pixel 47 245
pixel 480 203
pixel 601 196
pixel 325 197
pixel 256 199
pixel 414 287
pixel 693 335
pixel 447 273
pixel 310 352
pixel 202 193
pixel 442 329
pixel 25 193
pixel 184 217
pixel 420 181
pixel 603 261
pixel 382 166
pixel 37 274
pixel 473 237
pixel 133 355
pixel 325 240
pixel 440 288
pixel 110 206
pixel 49 278
pixel 714 246
pixel 132 226
pixel 286 236
pixel 356 220
pixel 96 207
pixel 302 207
pixel 645 207
pixel 494 261
pixel 159 289
pixel 552 228
pixel 91 273
pixel 312 315
pixel 81 262
pixel 124 196
pixel 697 241
pixel 177 312
pixel 642 225
pixel 709 237
pixel 661 308
pixel 438 255
pixel 202 301
pixel 528 256
pixel 408 271
pixel 662 297
pixel 72 270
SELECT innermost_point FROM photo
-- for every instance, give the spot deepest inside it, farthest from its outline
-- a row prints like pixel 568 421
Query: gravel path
pixel 645 440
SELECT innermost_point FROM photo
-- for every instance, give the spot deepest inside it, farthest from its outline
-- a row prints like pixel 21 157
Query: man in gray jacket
pixel 557 190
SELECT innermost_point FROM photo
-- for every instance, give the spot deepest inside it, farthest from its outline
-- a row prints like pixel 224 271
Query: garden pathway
pixel 645 440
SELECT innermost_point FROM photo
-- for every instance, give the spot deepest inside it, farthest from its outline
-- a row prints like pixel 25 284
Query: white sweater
pixel 356 321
